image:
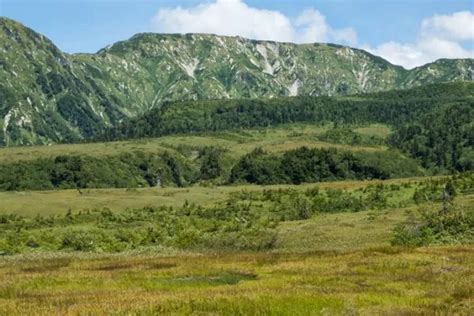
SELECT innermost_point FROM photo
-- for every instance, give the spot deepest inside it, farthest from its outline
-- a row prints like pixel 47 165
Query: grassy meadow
pixel 237 142
pixel 380 281
pixel 312 249
pixel 31 203
pixel 329 264
pixel 332 263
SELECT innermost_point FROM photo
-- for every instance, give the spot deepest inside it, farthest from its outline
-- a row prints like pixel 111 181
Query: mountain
pixel 49 96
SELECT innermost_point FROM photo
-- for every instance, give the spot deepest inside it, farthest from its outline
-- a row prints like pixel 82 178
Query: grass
pixel 342 231
pixel 435 280
pixel 31 203
pixel 379 130
pixel 238 143
pixel 332 263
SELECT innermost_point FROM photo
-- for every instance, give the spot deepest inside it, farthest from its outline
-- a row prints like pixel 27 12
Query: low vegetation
pixel 326 248
pixel 450 224
pixel 337 261
pixel 246 220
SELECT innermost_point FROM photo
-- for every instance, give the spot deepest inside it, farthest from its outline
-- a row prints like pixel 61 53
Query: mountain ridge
pixel 238 37
pixel 48 96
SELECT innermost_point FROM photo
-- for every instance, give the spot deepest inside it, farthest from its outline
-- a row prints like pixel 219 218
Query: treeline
pixel 405 111
pixel 122 171
pixel 441 138
pixel 315 165
pixel 139 169
pixel 204 116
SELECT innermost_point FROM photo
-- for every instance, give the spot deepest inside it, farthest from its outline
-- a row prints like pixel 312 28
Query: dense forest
pixel 431 123
pixel 441 138
pixel 139 169
pixel 128 170
pixel 316 165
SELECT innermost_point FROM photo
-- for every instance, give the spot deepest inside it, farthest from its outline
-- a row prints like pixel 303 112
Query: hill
pixel 49 96
pixel 432 122
pixel 424 130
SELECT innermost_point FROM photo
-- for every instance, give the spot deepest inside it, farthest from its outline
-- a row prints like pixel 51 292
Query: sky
pixel 405 32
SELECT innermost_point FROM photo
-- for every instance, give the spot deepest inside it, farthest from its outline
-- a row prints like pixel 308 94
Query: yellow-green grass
pixel 342 231
pixel 378 281
pixel 338 263
pixel 350 231
pixel 59 201
pixel 238 143
pixel 379 130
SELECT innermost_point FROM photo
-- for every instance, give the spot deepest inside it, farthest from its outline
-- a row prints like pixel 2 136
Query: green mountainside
pixel 425 130
pixel 49 96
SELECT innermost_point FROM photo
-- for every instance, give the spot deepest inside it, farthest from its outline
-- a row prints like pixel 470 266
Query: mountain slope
pixel 43 97
pixel 48 96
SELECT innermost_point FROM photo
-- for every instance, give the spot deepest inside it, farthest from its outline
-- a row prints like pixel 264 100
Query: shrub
pixel 449 224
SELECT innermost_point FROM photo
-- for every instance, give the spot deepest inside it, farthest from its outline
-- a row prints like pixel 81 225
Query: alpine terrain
pixel 50 96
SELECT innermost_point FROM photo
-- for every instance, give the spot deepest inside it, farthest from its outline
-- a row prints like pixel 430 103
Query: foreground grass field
pixel 339 263
pixel 326 258
pixel 382 281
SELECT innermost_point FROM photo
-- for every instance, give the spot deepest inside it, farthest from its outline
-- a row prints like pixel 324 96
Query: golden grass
pixel 383 281
pixel 342 231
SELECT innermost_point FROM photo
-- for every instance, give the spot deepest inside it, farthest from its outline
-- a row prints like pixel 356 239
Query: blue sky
pixel 392 29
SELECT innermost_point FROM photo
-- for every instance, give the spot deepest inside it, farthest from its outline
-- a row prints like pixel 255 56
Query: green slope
pixel 48 96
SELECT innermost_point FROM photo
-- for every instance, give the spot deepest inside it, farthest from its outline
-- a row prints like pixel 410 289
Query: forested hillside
pixel 47 96
pixel 431 133
pixel 433 123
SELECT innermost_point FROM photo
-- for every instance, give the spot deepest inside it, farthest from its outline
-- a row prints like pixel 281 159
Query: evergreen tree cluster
pixel 432 123
pixel 315 165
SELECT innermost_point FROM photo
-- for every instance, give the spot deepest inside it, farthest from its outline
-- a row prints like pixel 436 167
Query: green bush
pixel 349 137
pixel 450 224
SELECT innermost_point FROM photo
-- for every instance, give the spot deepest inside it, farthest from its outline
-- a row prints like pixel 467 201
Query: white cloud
pixel 225 17
pixel 234 17
pixel 457 26
pixel 311 26
pixel 440 36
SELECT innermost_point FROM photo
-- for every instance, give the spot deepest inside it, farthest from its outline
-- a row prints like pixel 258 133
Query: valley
pixel 212 246
pixel 204 174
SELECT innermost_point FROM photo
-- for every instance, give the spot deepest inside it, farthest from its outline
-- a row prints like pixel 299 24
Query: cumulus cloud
pixel 311 26
pixel 234 17
pixel 457 26
pixel 440 36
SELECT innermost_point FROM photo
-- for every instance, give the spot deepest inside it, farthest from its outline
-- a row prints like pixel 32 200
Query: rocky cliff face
pixel 48 96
